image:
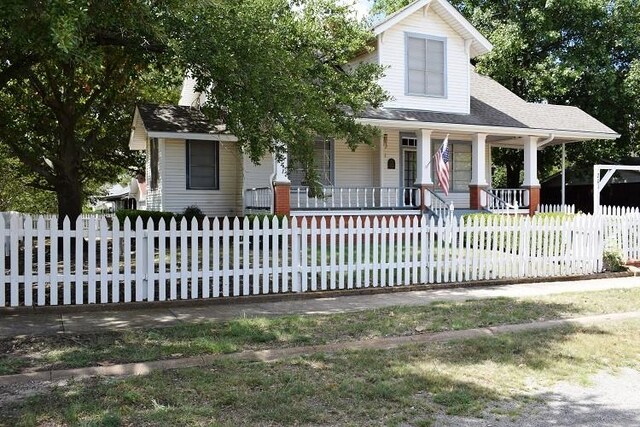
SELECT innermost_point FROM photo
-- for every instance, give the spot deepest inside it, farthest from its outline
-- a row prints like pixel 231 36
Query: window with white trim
pixel 426 66
pixel 323 162
pixel 203 165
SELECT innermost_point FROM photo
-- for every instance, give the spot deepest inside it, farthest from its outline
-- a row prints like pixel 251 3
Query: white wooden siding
pixel 353 168
pixel 368 58
pixel 257 176
pixel 138 138
pixel 392 55
pixel 225 201
pixel 187 94
pixel 460 200
pixel 391 150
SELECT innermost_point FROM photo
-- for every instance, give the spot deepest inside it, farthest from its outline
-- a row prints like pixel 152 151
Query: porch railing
pixel 505 200
pixel 336 198
pixel 438 205
pixel 258 199
pixel 510 196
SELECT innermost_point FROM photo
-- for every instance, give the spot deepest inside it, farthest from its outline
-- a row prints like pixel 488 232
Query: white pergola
pixel 600 182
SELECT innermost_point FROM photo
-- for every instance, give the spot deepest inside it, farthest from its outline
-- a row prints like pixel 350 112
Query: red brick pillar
pixel 475 196
pixel 534 198
pixel 282 198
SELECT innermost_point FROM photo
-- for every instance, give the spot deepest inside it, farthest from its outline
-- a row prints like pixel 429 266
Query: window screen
pixel 425 66
pixel 202 165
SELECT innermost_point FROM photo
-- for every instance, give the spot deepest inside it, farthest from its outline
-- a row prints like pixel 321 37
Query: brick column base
pixel 475 193
pixel 534 198
pixel 282 198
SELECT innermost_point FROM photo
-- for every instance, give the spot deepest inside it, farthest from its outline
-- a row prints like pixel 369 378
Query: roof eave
pixel 194 135
pixel 492 130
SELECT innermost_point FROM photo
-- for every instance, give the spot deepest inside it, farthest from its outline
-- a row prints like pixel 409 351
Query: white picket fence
pixel 568 209
pixel 103 262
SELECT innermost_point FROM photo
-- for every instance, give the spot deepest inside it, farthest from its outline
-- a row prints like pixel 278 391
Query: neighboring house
pixel 118 197
pixel 435 92
pixel 622 190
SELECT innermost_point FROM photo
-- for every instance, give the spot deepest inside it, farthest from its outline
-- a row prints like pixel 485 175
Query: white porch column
pixel 478 160
pixel 478 171
pixel 424 181
pixel 280 168
pixel 531 162
pixel 530 181
pixel 423 175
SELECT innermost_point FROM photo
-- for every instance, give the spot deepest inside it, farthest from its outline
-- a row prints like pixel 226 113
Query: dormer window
pixel 426 65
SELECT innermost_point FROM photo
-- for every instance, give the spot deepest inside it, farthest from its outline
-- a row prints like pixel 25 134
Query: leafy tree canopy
pixel 577 52
pixel 71 72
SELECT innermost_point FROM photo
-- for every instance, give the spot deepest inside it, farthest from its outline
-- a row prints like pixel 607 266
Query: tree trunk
pixel 69 196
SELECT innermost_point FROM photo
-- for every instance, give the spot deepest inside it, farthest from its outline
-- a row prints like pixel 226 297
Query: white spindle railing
pixel 568 209
pixel 438 205
pixel 337 198
pixel 508 197
pixel 258 199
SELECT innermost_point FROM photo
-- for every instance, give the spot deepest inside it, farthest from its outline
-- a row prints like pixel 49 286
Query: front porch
pixel 396 176
pixel 385 201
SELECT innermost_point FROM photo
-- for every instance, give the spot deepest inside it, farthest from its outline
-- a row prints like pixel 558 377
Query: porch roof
pixel 494 106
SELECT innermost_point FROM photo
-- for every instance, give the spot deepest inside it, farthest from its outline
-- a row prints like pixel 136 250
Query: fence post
pixel 295 256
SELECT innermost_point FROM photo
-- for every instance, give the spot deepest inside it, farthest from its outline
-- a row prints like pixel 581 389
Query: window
pixel 323 161
pixel 426 65
pixel 203 165
pixel 459 165
pixel 153 163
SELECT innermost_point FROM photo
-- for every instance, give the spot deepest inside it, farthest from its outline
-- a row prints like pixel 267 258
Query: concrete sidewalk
pixel 91 321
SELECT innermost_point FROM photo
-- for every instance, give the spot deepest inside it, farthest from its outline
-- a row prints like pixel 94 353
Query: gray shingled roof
pixel 175 118
pixel 491 105
pixel 494 105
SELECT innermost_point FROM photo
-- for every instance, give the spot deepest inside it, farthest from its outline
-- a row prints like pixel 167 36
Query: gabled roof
pixel 175 118
pixel 494 106
pixel 173 121
pixel 449 14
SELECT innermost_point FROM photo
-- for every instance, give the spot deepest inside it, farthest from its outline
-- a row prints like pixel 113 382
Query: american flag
pixel 442 165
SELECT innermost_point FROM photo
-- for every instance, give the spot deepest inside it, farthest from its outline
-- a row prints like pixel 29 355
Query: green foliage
pixel 133 216
pixel 70 74
pixel 274 72
pixel 612 259
pixel 17 195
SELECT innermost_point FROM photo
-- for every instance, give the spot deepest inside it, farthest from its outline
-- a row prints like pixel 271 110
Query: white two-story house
pixel 435 93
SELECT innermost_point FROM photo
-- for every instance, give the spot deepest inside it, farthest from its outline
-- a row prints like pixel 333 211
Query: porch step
pixel 457 213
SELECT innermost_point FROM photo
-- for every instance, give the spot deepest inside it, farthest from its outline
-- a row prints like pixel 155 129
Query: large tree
pixel 71 72
pixel 576 52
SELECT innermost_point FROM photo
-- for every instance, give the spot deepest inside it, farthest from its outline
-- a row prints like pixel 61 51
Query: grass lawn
pixel 64 351
pixel 407 386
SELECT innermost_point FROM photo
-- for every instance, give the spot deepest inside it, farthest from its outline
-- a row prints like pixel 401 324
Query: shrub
pixel 133 216
pixel 612 259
